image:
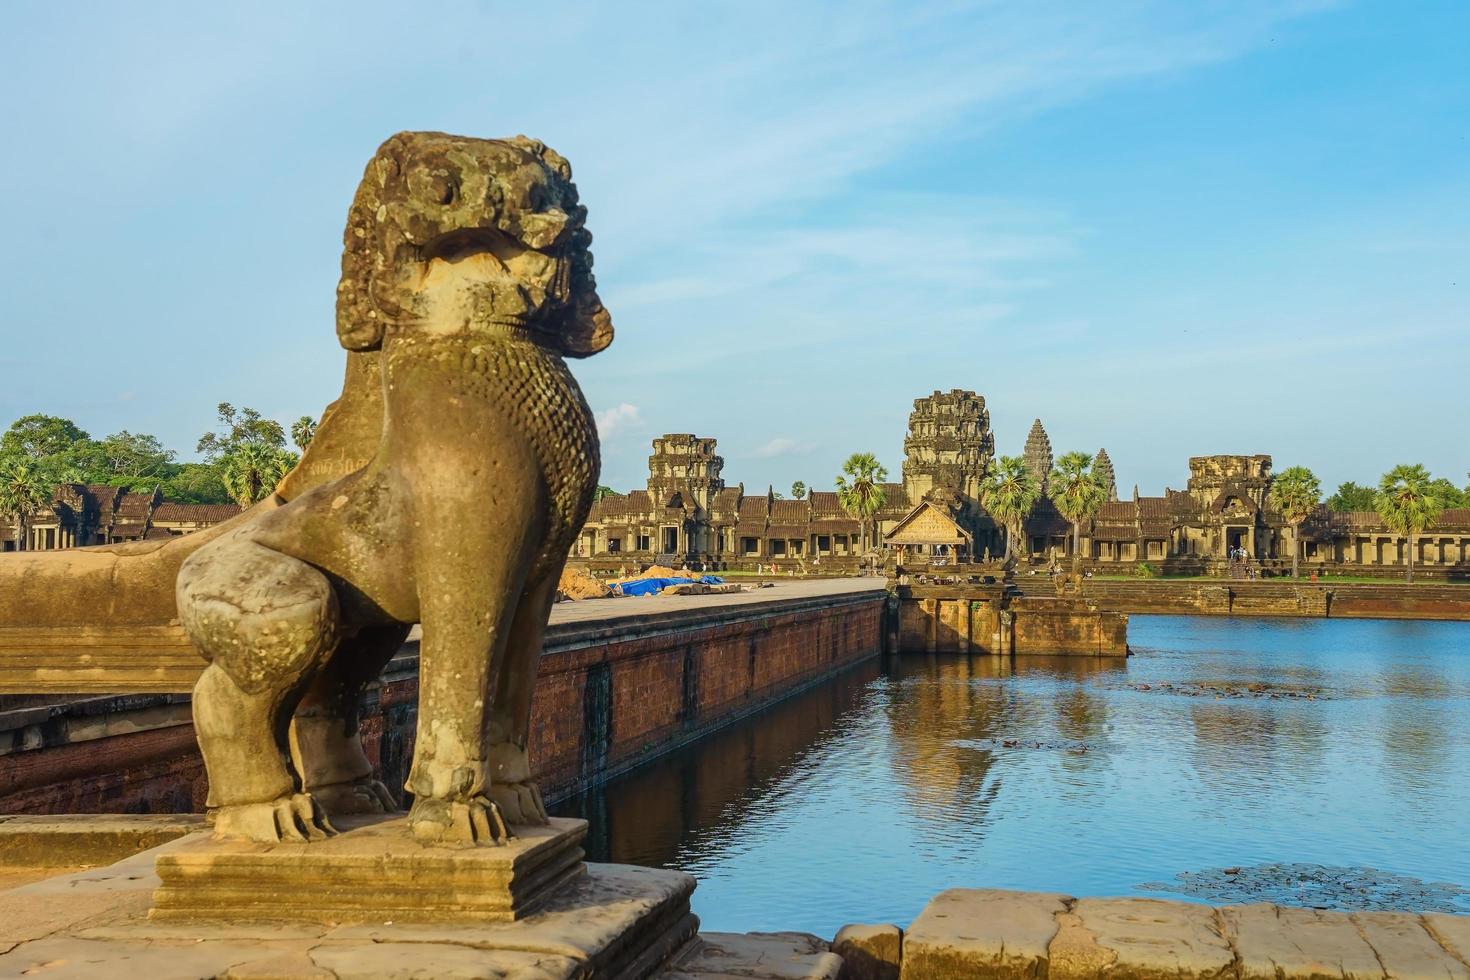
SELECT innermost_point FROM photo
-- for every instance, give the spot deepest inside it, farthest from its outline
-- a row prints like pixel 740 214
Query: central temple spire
pixel 1038 455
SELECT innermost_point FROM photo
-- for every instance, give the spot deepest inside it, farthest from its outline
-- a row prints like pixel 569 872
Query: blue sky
pixel 1167 229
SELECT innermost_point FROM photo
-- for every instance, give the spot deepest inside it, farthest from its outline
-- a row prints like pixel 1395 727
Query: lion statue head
pixel 509 207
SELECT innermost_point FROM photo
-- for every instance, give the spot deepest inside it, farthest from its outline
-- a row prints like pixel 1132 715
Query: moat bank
pixel 621 681
pixel 1348 600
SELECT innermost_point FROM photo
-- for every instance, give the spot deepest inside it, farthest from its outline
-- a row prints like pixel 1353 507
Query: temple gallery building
pixel 84 514
pixel 689 514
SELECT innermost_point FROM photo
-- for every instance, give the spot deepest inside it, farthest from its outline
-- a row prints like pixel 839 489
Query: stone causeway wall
pixel 612 691
pixel 981 933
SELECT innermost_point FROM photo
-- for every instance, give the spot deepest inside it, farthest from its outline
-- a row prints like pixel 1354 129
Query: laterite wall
pixel 611 693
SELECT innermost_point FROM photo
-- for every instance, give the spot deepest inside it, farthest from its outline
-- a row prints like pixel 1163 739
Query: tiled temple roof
pixel 197 513
pixel 789 511
pixel 826 503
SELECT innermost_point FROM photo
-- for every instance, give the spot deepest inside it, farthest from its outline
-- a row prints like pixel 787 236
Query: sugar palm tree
pixel 251 471
pixel 23 491
pixel 1009 495
pixel 1078 494
pixel 1297 494
pixel 860 490
pixel 302 430
pixel 1407 504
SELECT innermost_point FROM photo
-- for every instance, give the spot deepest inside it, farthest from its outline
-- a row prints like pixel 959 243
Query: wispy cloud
pixel 783 446
pixel 612 420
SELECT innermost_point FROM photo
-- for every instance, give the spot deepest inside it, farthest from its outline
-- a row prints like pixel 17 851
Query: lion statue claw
pixel 466 276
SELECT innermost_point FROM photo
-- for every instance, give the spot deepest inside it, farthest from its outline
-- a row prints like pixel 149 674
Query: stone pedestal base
pixel 610 921
pixel 372 871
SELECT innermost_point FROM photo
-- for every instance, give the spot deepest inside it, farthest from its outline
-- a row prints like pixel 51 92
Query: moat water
pixel 1314 762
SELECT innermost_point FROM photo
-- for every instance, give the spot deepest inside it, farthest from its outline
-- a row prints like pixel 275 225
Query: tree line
pixel 243 460
pixel 1408 499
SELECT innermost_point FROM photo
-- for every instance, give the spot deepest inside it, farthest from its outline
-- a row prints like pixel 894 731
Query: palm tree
pixel 1078 493
pixel 251 471
pixel 798 490
pixel 1010 493
pixel 302 430
pixel 1297 494
pixel 860 490
pixel 1407 504
pixel 23 491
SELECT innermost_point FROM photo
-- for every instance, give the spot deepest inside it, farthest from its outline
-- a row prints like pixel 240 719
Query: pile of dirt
pixel 663 571
pixel 577 584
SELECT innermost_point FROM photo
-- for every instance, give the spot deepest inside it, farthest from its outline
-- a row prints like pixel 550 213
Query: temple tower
pixel 684 466
pixel 1211 477
pixel 1038 455
pixel 949 444
pixel 1103 467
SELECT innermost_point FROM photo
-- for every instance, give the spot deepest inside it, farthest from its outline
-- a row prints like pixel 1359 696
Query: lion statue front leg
pixel 510 720
pixel 265 622
pixel 470 589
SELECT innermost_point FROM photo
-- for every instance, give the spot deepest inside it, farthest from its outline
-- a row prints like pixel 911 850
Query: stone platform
pixel 612 921
pixel 373 870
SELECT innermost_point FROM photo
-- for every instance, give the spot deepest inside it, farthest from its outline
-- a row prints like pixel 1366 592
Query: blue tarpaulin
pixel 652 586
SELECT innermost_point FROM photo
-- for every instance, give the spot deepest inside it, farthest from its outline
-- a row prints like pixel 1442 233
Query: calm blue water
pixel 1223 743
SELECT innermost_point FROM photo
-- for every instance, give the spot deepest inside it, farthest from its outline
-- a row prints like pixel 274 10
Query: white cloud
pixel 782 446
pixel 620 416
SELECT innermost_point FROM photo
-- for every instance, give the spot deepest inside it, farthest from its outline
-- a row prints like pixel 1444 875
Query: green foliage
pixel 195 483
pixel 798 490
pixel 1351 496
pixel 1075 489
pixel 1009 495
pixel 1144 570
pixel 132 460
pixel 1078 493
pixel 1448 495
pixel 1297 492
pixel 860 489
pixel 1407 504
pixel 40 437
pixel 24 490
pixel 251 470
pixel 302 430
pixel 240 428
pixel 56 451
pixel 602 491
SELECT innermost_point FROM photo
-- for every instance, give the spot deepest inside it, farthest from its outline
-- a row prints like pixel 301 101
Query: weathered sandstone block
pixel 987 933
pixel 1273 942
pixel 869 952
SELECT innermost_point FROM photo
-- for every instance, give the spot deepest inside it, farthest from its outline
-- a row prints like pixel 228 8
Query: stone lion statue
pixel 466 281
pixel 444 486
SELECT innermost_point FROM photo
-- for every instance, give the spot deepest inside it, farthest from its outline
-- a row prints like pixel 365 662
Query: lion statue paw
pixel 366 795
pixel 476 821
pixel 295 817
pixel 520 803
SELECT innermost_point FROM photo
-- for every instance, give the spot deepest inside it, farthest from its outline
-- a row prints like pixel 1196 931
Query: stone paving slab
pixel 77 840
pixel 1406 948
pixel 999 934
pixel 973 932
pixel 1451 931
pixel 1274 941
pixel 756 956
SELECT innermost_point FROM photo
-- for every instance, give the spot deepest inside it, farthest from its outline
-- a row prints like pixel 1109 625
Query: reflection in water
pixel 858 800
